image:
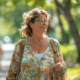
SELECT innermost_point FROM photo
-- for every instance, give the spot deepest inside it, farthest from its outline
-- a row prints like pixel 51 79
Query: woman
pixel 38 58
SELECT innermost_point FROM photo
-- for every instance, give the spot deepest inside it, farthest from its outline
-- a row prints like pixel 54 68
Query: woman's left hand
pixel 57 66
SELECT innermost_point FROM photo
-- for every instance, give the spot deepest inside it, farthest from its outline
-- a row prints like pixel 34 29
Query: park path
pixel 6 59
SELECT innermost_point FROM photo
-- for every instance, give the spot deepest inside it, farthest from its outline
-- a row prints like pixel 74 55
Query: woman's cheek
pixel 41 23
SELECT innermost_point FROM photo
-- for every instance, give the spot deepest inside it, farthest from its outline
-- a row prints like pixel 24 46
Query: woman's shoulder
pixel 54 40
pixel 19 41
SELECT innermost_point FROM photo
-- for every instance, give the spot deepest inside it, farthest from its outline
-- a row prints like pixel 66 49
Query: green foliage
pixel 73 73
pixel 69 53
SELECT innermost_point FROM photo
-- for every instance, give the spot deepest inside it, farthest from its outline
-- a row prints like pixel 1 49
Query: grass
pixel 73 73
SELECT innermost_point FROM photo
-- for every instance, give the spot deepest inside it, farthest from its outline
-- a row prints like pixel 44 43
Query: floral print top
pixel 31 67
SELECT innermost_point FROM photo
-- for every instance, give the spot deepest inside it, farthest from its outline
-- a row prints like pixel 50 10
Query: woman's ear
pixel 31 25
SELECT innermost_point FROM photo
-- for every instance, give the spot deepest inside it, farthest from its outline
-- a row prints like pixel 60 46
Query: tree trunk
pixel 73 29
pixel 64 40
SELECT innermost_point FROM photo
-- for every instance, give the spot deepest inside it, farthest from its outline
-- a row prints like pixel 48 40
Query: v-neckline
pixel 33 50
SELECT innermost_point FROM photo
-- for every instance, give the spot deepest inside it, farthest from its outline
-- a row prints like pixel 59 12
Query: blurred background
pixel 64 26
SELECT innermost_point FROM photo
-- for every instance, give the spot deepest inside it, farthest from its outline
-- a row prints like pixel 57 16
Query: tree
pixel 64 38
pixel 66 11
pixel 12 10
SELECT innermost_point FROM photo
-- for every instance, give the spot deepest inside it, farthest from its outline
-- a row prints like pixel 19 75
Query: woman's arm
pixel 14 65
pixel 60 66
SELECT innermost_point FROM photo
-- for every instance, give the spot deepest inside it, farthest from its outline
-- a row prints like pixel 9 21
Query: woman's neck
pixel 37 38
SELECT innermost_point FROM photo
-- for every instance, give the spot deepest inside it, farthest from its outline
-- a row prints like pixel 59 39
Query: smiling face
pixel 40 24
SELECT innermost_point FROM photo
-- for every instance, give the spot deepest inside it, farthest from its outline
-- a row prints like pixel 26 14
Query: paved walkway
pixel 6 58
pixel 4 69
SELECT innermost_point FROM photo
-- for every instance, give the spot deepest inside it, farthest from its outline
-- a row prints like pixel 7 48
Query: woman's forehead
pixel 42 16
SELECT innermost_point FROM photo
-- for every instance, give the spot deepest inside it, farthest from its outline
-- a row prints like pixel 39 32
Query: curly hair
pixel 26 30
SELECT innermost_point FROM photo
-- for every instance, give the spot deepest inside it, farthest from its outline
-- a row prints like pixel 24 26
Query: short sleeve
pixel 14 65
pixel 63 72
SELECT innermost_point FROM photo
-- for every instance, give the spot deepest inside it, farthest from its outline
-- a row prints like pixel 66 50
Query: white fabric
pixel 39 56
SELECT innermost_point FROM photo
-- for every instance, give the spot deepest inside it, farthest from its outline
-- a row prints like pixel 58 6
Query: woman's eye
pixel 47 20
pixel 42 20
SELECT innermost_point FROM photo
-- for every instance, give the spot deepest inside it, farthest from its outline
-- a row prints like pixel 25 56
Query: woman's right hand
pixel 57 66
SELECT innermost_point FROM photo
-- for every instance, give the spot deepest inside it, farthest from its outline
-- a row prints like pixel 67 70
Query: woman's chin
pixel 44 31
